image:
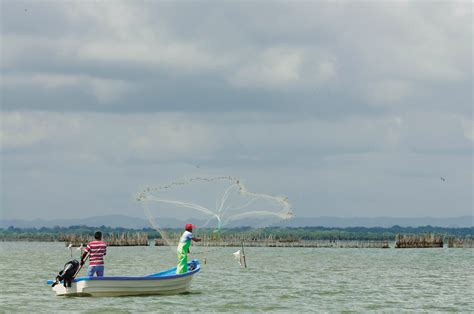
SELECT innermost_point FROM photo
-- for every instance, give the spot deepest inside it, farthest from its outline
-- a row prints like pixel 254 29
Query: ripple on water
pixel 277 280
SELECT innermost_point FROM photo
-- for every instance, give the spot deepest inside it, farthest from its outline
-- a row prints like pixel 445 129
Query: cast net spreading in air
pixel 211 203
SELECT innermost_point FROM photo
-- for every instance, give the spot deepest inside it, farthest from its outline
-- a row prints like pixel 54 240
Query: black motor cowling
pixel 67 274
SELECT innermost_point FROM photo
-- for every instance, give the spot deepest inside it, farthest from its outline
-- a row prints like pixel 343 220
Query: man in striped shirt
pixel 96 249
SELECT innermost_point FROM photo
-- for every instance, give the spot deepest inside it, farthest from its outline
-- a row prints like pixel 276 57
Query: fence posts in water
pixel 401 241
pixel 112 239
pixel 460 242
pixel 205 252
pixel 418 241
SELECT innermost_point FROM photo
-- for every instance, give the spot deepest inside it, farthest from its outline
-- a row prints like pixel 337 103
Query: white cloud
pixel 392 43
pixel 435 133
pixel 153 137
pixel 468 127
pixel 17 131
pixel 126 33
pixel 176 54
pixel 388 92
pixel 168 138
pixel 25 130
pixel 104 90
pixel 284 67
pixel 273 67
pixel 346 98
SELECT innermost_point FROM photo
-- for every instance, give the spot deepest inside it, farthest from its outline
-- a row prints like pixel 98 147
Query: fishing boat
pixel 164 282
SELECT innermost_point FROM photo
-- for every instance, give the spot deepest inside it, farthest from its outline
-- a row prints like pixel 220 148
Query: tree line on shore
pixel 277 233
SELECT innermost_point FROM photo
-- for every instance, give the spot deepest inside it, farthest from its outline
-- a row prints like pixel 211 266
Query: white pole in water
pixel 242 256
pixel 80 248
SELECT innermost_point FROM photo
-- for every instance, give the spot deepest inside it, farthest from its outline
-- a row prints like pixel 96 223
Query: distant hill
pixel 341 222
pixel 96 221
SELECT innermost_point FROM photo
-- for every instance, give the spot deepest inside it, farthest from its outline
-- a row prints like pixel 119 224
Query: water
pixel 276 280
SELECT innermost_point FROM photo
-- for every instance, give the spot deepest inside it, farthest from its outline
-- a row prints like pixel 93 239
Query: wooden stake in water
pixel 242 256
pixel 205 252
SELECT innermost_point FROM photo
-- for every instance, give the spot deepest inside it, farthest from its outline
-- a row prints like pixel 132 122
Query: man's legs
pixel 182 263
pixel 99 270
pixel 90 271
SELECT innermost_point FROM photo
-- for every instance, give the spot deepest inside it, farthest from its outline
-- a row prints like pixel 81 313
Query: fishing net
pixel 212 203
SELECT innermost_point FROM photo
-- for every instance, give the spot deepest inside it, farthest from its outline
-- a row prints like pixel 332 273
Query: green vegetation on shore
pixel 285 234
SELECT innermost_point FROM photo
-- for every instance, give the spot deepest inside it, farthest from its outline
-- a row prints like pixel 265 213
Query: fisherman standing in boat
pixel 96 250
pixel 183 248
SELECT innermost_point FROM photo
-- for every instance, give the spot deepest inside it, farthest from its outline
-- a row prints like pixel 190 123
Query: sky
pixel 348 108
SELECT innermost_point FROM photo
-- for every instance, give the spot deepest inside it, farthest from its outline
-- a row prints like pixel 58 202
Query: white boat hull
pixel 124 287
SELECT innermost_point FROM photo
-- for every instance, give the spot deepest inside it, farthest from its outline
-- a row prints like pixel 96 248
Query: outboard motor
pixel 192 266
pixel 67 274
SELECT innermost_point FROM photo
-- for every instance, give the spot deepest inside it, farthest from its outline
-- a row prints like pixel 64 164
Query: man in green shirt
pixel 183 248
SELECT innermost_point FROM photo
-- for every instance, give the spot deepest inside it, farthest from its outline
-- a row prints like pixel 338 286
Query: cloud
pixel 468 127
pixel 385 54
pixel 272 68
pixel 164 137
pixel 357 105
pixel 104 90
pixel 157 137
pixel 388 92
pixel 287 68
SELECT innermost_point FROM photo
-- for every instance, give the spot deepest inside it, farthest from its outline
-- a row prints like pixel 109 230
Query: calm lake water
pixel 276 280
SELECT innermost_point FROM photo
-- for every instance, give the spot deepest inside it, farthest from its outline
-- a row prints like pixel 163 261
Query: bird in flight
pixel 443 179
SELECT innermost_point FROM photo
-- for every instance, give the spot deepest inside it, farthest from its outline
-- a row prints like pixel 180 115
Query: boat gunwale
pixel 148 277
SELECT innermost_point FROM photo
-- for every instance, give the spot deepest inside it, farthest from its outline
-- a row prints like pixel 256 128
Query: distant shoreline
pixel 452 242
pixel 277 236
pixel 128 222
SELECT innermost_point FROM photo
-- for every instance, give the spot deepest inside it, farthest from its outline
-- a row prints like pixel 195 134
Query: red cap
pixel 189 227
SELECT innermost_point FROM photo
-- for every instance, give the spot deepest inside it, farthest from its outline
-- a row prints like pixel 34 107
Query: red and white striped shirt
pixel 97 251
